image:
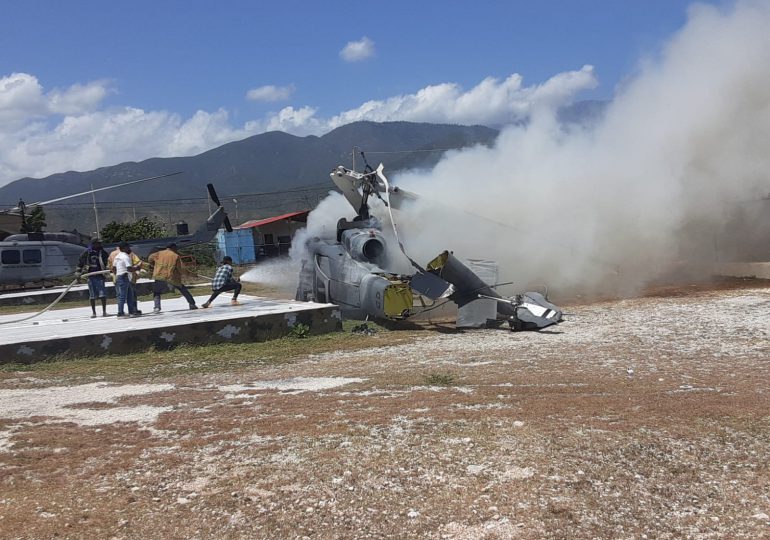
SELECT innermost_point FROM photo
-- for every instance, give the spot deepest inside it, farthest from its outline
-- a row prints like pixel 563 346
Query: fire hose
pixel 58 298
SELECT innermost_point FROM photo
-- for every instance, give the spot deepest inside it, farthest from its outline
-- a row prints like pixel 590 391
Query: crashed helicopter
pixel 353 270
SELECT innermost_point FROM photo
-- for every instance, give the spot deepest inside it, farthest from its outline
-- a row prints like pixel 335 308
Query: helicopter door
pixel 20 264
pixel 10 257
pixel 10 266
pixel 32 256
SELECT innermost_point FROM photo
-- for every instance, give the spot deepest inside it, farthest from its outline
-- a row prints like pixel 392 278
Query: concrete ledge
pixel 738 269
pixel 72 333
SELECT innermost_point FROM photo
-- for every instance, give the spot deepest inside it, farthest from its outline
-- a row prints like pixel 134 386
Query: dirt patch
pixel 636 418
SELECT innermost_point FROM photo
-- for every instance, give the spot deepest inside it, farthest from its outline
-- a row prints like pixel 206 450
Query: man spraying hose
pixel 224 281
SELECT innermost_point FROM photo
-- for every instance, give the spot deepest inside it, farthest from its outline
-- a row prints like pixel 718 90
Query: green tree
pixel 35 221
pixel 142 229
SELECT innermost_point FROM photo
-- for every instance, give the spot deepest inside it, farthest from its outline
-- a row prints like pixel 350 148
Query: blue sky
pixel 103 82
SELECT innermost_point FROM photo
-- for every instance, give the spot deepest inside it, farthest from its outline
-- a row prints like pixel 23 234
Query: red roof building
pixel 300 216
pixel 272 236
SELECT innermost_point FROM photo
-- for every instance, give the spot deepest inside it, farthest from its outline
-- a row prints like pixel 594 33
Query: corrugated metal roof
pixel 260 222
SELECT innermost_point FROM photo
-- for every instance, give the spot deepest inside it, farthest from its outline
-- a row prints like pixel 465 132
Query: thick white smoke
pixel 282 274
pixel 682 146
pixel 678 157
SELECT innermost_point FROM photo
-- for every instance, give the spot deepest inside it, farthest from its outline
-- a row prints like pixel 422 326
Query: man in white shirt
pixel 122 269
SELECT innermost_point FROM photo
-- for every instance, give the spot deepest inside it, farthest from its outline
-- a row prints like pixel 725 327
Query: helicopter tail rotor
pixel 215 199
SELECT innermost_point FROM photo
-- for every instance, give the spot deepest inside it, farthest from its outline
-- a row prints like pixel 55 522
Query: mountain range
pixel 262 175
pixel 266 162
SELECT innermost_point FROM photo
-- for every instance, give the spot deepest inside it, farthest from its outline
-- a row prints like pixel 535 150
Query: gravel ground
pixel 641 418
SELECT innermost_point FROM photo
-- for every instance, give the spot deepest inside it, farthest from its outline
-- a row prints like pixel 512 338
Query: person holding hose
pixel 167 268
pixel 224 281
pixel 136 264
pixel 122 268
pixel 94 259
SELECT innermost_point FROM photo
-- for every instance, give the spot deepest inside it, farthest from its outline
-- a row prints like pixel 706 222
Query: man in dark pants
pixel 94 259
pixel 224 281
pixel 167 268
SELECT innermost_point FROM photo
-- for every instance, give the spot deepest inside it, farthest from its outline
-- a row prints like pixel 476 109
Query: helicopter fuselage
pixel 28 261
pixel 351 270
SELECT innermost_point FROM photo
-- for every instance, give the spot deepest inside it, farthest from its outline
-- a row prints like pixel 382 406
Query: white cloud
pixel 22 99
pixel 490 102
pixel 42 133
pixel 77 99
pixel 355 51
pixel 270 93
pixel 106 137
pixel 294 120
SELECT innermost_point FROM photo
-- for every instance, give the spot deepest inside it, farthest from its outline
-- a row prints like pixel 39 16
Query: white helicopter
pixel 37 257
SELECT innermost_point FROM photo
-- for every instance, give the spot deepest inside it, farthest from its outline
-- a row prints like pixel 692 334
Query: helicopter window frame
pixel 7 256
pixel 32 256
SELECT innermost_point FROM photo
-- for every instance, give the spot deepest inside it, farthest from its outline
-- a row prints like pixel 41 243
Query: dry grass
pixel 629 421
pixel 189 360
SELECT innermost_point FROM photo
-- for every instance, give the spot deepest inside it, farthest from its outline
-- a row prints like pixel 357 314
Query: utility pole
pixel 96 213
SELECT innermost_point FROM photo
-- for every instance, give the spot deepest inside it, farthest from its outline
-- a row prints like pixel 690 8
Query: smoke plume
pixel 674 175
pixel 678 153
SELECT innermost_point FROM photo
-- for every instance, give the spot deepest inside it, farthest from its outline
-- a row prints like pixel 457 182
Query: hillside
pixel 266 162
pixel 269 162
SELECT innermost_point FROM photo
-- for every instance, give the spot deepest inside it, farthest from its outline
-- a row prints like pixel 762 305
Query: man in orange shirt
pixel 167 268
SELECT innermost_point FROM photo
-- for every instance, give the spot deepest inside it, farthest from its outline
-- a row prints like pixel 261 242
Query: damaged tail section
pixel 527 311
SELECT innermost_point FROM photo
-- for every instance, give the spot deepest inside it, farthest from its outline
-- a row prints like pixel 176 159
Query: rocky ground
pixel 641 418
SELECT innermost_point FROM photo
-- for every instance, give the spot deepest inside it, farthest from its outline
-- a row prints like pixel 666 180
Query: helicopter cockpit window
pixel 32 256
pixel 10 256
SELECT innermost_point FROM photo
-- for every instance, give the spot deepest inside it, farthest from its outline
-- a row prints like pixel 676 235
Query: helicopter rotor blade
pixel 213 194
pixel 100 189
pixel 215 200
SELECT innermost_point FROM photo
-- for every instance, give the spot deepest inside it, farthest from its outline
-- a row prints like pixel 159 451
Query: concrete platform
pixel 72 332
pixel 34 297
